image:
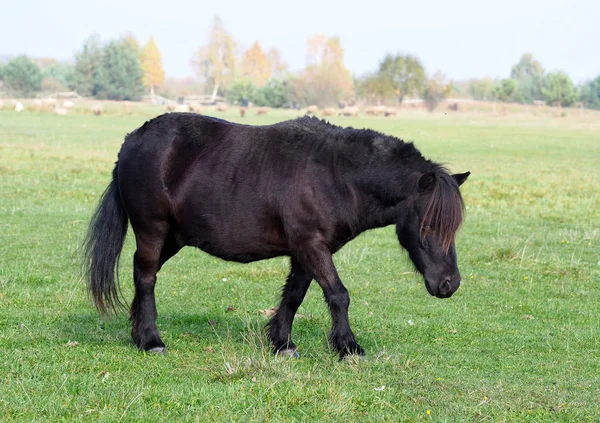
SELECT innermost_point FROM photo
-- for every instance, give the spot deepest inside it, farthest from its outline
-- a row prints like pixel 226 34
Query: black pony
pixel 301 188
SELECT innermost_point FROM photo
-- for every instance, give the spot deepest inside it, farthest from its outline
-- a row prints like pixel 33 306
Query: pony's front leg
pixel 317 258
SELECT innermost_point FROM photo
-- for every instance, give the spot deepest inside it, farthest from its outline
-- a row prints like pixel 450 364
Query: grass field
pixel 519 341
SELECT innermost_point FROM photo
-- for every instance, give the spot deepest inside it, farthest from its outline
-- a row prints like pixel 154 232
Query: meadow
pixel 518 342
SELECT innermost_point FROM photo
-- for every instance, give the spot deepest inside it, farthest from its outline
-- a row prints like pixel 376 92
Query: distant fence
pixel 204 100
pixel 71 95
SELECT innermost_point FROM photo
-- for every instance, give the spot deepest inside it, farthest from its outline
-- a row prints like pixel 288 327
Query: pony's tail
pixel 102 248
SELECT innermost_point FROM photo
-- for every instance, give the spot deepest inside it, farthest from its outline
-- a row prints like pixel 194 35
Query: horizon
pixel 460 40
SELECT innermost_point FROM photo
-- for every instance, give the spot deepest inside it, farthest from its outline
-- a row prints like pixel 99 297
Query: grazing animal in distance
pixel 61 111
pixel 390 111
pixel 312 109
pixel 350 111
pixel 196 108
pixel 97 109
pixel 302 188
pixel 329 111
pixel 182 108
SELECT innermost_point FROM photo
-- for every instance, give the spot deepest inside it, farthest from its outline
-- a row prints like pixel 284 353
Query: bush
pixel 273 94
pixel 240 89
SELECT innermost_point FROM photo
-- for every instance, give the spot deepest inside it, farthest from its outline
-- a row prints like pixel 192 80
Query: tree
pixel 120 76
pixel 58 77
pixel 589 93
pixel 297 91
pixel 504 91
pixel 558 89
pixel 279 68
pixel 135 44
pixel 152 66
pixel 405 74
pixel 322 50
pixel 215 62
pixel 255 65
pixel 526 67
pixel 87 65
pixel 22 77
pixel 436 89
pixel 375 88
pixel 529 75
pixel 327 80
pixel 482 89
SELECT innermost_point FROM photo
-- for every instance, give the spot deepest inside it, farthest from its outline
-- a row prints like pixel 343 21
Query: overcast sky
pixel 462 38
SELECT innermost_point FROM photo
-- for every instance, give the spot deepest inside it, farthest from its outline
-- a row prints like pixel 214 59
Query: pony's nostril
pixel 445 287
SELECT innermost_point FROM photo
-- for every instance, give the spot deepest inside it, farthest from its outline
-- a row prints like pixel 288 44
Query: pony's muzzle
pixel 447 286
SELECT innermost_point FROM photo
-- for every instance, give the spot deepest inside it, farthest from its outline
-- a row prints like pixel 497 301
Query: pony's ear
pixel 427 182
pixel 461 177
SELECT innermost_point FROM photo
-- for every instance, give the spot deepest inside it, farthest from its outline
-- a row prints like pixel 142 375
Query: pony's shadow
pixel 203 327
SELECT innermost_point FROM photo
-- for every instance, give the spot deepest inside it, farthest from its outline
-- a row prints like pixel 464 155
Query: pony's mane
pixel 352 139
pixel 444 211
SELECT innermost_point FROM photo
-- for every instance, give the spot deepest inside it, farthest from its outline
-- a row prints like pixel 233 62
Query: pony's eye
pixel 427 231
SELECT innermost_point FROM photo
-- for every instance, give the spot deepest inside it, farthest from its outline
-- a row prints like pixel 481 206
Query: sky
pixel 461 38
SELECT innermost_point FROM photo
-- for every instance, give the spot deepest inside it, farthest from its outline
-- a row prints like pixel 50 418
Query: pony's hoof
pixel 353 350
pixel 158 350
pixel 288 352
pixel 353 358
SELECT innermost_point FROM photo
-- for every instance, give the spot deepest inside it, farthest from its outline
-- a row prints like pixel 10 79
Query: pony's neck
pixel 384 193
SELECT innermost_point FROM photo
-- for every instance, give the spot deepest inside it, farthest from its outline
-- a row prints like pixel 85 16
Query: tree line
pixel 123 70
pixel 117 70
pixel 529 83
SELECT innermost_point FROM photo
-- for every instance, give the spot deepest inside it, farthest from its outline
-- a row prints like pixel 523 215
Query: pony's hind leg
pixel 169 249
pixel 280 326
pixel 152 252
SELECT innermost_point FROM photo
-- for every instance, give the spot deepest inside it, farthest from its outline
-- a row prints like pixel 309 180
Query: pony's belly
pixel 241 253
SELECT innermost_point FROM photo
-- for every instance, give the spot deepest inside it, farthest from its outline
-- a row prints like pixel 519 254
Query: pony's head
pixel 426 229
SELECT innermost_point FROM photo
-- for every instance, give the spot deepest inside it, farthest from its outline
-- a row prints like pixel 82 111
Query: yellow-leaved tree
pixel 256 66
pixel 278 67
pixel 326 76
pixel 215 62
pixel 154 73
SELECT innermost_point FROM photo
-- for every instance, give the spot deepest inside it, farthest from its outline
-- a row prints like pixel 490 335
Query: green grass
pixel 518 342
